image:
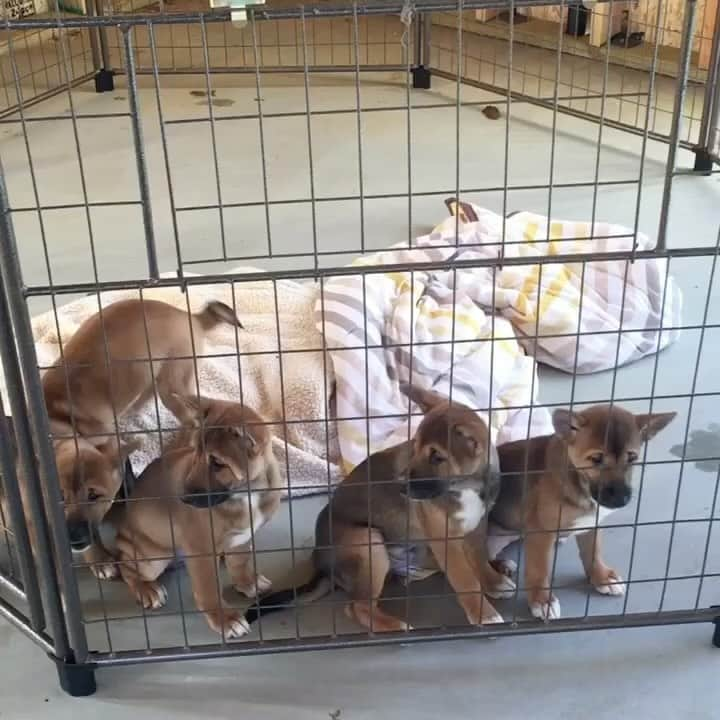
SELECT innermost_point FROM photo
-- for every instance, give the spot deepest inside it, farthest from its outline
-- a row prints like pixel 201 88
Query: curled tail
pixel 216 312
pixel 318 586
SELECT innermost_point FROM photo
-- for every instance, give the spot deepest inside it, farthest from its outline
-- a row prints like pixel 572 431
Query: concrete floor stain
pixel 702 446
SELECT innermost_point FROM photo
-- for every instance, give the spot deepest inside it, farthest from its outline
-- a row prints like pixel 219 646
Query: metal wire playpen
pixel 143 142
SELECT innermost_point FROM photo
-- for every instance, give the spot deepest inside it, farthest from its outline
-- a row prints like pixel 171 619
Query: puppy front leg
pixel 602 577
pixel 497 584
pixel 452 560
pixel 538 563
pixel 101 562
pixel 241 566
pixel 202 568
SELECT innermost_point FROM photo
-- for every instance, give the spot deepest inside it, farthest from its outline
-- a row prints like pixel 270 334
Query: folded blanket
pixel 455 330
pixel 312 451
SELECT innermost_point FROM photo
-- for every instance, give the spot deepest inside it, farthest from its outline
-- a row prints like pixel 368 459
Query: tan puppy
pixel 563 484
pixel 111 364
pixel 411 510
pixel 170 511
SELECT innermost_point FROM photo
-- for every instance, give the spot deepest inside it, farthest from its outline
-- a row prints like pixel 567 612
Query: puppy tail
pixel 216 312
pixel 316 588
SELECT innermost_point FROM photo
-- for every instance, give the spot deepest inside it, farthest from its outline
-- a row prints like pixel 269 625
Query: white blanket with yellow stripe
pixel 438 329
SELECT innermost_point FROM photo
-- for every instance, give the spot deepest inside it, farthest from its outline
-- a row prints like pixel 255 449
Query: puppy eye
pixel 632 457
pixel 92 495
pixel 215 464
pixel 596 459
pixel 436 458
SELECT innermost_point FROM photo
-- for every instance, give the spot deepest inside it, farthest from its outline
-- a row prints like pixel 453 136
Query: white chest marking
pixel 237 538
pixel 591 520
pixel 471 511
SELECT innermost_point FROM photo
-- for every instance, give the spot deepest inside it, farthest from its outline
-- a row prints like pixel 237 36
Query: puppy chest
pixel 467 512
pixel 249 515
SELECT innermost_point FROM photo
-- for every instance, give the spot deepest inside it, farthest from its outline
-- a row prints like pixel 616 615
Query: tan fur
pixel 430 495
pixel 562 484
pixel 114 362
pixel 229 450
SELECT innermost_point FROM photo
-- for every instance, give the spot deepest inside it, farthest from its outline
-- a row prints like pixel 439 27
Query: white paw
pixel 504 589
pixel 236 628
pixel 613 585
pixel 152 596
pixel 105 571
pixel 494 619
pixel 546 610
pixel 261 586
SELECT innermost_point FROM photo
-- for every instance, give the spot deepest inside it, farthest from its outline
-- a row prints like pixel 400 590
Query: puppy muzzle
pixel 612 495
pixel 203 499
pixel 424 488
pixel 80 534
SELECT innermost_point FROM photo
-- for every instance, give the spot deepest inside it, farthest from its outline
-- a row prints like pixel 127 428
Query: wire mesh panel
pixel 318 305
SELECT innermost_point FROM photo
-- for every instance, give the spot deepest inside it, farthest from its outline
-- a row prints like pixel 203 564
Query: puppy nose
pixel 617 494
pixel 79 533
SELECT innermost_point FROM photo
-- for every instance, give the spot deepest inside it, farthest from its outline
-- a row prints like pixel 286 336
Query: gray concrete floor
pixel 642 673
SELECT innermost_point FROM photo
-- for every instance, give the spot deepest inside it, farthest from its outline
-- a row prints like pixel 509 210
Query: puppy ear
pixel 426 399
pixel 566 423
pixel 197 407
pixel 650 425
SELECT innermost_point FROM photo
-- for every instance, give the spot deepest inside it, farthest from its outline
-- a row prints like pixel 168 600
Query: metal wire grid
pixel 608 82
pixel 42 61
pixel 107 627
pixel 328 41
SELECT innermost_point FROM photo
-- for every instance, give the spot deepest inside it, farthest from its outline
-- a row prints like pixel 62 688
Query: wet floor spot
pixel 202 93
pixel 219 102
pixel 701 445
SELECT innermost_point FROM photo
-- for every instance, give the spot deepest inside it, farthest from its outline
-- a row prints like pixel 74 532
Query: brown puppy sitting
pixel 410 510
pixel 227 465
pixel 112 364
pixel 559 485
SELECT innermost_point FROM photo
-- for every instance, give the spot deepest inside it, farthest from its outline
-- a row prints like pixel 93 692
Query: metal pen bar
pixel 598 622
pixel 17 310
pixel 344 270
pixel 13 496
pixel 288 13
pixel 26 455
pixel 166 155
pixel 139 144
pixel 19 621
pixel 710 103
pixel 685 53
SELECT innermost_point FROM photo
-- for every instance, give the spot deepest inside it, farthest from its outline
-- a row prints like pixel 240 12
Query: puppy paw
pixel 609 583
pixel 261 586
pixel 231 625
pixel 105 571
pixel 151 595
pixel 504 588
pixel 547 608
pixel 504 566
pixel 494 618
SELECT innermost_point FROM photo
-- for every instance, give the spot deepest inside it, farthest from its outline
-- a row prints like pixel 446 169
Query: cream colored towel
pixel 312 451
